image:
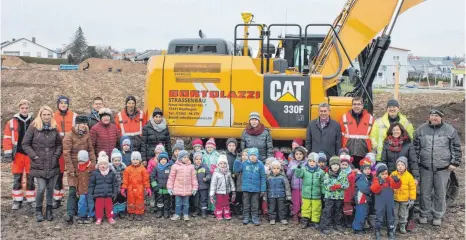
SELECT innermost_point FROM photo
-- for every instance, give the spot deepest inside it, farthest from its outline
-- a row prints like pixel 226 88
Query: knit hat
pixel 270 160
pixel 313 157
pixel 300 149
pixel 103 158
pixel 180 141
pixel 136 156
pixel 322 157
pixel 105 112
pixel 116 153
pixel 83 156
pixel 129 98
pixel 402 159
pixel 254 115
pixel 438 112
pixel 298 141
pixel 63 98
pixel 335 160
pixel 346 158
pixel 222 158
pixel 371 157
pixel 211 142
pixel 343 150
pixel 160 147
pixel 182 154
pixel 245 150
pixel 278 155
pixel 253 151
pixel 127 141
pixel 178 146
pixel 157 111
pixel 197 154
pixel 380 167
pixel 364 163
pixel 197 143
pixel 232 140
pixel 163 155
pixel 81 119
pixel 393 103
pixel 275 163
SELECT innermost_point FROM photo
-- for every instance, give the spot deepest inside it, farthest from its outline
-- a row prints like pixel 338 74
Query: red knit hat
pixel 365 162
pixel 278 155
pixel 197 142
pixel 211 141
pixel 298 141
pixel 346 158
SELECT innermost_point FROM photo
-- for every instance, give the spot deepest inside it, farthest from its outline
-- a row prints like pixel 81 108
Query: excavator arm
pixel 357 25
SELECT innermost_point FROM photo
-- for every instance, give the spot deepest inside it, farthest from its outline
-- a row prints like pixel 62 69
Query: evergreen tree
pixel 79 46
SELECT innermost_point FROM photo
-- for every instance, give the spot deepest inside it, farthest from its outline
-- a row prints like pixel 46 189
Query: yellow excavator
pixel 208 86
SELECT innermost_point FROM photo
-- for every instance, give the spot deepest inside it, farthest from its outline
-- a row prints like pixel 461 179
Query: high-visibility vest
pixel 11 134
pixel 128 126
pixel 350 128
pixel 65 123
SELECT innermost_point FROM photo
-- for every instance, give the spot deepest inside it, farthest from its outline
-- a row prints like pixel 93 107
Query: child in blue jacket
pixel 363 195
pixel 254 187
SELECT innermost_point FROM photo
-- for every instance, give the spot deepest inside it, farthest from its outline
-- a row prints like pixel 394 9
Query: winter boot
pixel 130 216
pixel 227 213
pixel 246 220
pixel 122 215
pixel 39 216
pixel 304 223
pixel 16 205
pixel 256 221
pixel 175 217
pixel 437 222
pixel 166 214
pixel 56 204
pixel 69 219
pixel 391 233
pixel 377 234
pixel 138 217
pixel 218 214
pixel 203 213
pixel 348 221
pixel 159 213
pixel 48 213
pixel 403 228
pixel 371 220
pixel 411 225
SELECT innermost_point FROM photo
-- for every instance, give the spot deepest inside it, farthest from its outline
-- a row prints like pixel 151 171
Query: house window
pixel 379 74
pixel 25 44
pixel 396 58
pixel 26 54
pixel 50 54
pixel 38 54
pixel 393 74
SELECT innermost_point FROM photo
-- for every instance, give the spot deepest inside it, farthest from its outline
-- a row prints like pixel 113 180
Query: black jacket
pixel 103 186
pixel 231 157
pixel 150 139
pixel 389 158
pixel 327 139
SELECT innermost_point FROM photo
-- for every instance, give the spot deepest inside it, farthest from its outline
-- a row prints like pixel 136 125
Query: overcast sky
pixel 433 28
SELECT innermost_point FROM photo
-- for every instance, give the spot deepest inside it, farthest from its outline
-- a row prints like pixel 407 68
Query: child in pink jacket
pixel 153 161
pixel 182 182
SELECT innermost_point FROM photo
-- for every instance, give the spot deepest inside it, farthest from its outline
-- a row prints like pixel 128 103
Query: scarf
pixel 312 169
pixel 104 173
pixel 223 170
pixel 46 126
pixel 255 131
pixel 83 166
pixel 396 144
pixel 333 174
pixel 159 127
pixel 163 167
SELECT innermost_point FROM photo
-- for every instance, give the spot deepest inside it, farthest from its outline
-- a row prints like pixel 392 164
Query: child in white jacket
pixel 221 185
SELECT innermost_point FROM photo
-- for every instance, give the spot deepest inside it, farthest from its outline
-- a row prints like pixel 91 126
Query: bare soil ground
pixel 43 87
pixel 102 65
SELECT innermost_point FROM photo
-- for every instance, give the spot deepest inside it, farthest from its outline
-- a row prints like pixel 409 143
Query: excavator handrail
pixel 285 25
pixel 257 39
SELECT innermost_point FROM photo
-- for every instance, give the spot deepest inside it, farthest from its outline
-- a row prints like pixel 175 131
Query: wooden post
pixel 397 80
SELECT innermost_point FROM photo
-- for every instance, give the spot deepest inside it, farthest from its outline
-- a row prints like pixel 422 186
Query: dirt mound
pixel 12 61
pixel 102 65
pixel 43 87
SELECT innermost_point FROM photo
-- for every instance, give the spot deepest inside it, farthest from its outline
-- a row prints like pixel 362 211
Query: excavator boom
pixel 357 25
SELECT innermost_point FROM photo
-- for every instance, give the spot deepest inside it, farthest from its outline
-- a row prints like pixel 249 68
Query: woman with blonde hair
pixel 43 145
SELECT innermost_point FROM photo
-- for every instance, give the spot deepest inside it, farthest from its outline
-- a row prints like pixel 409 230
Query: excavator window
pixel 184 49
pixel 206 49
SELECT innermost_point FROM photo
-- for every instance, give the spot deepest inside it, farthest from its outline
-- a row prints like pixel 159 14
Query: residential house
pixel 437 67
pixel 387 71
pixel 27 48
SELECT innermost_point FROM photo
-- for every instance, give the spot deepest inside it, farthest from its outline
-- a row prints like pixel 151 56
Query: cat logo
pixel 290 91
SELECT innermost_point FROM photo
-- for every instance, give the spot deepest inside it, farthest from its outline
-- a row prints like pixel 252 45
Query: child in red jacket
pixel 348 201
pixel 382 186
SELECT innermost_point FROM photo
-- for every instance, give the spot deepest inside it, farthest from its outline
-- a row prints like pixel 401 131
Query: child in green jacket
pixel 313 188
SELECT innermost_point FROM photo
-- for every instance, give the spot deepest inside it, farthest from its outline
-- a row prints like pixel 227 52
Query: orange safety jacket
pixel 351 130
pixel 128 126
pixel 65 122
pixel 11 134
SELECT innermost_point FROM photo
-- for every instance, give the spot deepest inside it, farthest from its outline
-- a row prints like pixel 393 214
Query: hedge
pixel 48 61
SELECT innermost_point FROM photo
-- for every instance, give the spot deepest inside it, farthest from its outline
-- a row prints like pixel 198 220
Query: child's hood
pixel 123 138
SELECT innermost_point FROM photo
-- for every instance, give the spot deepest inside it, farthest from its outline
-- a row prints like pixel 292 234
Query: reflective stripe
pixel 121 124
pixel 345 123
pixel 58 194
pixel 140 122
pixel 132 134
pixel 356 136
pixel 5 136
pixel 30 196
pixel 371 119
pixel 62 134
pixel 74 119
pixel 12 127
pixel 8 151
pixel 122 127
pixel 17 195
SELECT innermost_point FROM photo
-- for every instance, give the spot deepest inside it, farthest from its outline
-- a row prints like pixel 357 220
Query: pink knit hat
pixel 211 142
pixel 278 155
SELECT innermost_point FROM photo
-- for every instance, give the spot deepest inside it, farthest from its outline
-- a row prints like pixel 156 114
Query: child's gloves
pixel 381 181
pixel 212 200
pixel 123 192
pixel 149 192
pixel 335 187
pixel 170 192
pixel 410 204
pixel 233 196
pixel 194 192
pixel 396 179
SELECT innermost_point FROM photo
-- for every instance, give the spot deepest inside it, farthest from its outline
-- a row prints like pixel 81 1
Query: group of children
pixel 301 186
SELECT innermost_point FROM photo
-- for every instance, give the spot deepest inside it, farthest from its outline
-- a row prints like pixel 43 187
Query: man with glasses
pixel 356 126
pixel 94 116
